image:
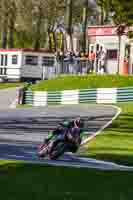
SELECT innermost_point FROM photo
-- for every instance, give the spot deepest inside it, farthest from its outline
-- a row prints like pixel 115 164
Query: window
pixel 3 71
pixel 112 54
pixel 14 59
pixel 31 60
pixel 5 60
pixel 97 47
pixel 48 61
pixel 2 60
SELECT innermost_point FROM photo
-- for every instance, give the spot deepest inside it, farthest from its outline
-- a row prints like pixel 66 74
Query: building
pixel 115 47
pixel 26 64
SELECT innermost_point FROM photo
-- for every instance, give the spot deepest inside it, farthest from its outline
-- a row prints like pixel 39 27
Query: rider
pixel 74 134
pixel 71 131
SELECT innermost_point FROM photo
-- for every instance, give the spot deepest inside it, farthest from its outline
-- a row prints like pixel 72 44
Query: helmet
pixel 77 122
pixel 66 124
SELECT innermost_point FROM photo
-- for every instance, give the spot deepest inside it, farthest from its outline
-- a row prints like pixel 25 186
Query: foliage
pixel 122 10
pixel 26 23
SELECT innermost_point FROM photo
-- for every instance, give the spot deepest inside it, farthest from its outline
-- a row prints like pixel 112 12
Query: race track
pixel 21 130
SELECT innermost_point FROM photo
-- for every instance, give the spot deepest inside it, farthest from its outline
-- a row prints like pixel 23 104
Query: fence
pixel 100 95
pixel 66 66
pixel 74 66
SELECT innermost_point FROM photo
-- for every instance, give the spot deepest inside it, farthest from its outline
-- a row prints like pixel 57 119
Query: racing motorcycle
pixel 56 147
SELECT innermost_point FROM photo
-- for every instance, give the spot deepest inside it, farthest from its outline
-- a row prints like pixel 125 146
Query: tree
pixel 55 17
pixel 68 20
pixel 30 23
pixel 38 13
pixel 11 22
pixel 24 24
pixel 4 5
pixel 85 18
pixel 123 11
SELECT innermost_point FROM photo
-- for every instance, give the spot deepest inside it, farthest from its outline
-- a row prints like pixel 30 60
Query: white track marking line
pixel 119 110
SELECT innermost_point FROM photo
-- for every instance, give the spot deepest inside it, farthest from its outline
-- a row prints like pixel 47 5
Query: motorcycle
pixel 55 147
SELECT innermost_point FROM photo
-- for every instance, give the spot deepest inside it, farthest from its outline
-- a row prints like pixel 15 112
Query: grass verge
pixel 34 182
pixel 82 82
pixel 10 85
pixel 116 142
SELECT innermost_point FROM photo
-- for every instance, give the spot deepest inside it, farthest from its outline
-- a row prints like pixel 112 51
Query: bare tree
pixel 11 22
pixel 4 5
pixel 29 23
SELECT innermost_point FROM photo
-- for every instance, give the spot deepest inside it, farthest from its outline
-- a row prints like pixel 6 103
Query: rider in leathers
pixel 71 130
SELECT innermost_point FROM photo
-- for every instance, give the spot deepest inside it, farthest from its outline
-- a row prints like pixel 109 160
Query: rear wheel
pixel 58 150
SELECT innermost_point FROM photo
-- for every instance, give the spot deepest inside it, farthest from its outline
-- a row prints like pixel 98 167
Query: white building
pixel 106 37
pixel 16 64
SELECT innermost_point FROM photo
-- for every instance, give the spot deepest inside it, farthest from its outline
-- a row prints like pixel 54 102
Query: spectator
pixel 71 62
pixel 92 57
pixel 82 60
pixel 102 60
pixel 57 62
pixel 77 63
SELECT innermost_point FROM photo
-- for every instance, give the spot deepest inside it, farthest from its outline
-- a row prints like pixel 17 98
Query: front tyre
pixel 42 152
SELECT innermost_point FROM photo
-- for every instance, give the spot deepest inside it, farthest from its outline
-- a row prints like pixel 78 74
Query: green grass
pixel 20 181
pixel 10 85
pixel 82 82
pixel 24 106
pixel 116 142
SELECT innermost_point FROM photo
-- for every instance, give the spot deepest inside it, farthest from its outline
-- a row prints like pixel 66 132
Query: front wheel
pixel 42 151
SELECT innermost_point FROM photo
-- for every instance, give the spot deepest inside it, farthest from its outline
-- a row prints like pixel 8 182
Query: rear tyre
pixel 58 150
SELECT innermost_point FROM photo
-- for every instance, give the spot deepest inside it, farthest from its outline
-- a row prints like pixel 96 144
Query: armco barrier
pixel 100 95
pixel 28 97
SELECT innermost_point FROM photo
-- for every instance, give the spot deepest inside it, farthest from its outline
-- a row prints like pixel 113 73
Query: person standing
pixel 92 58
pixel 102 60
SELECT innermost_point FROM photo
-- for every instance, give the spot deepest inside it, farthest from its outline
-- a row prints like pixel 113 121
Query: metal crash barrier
pixel 99 95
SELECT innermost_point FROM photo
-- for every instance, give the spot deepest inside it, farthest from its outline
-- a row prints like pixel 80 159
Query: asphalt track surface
pixel 22 130
pixel 7 98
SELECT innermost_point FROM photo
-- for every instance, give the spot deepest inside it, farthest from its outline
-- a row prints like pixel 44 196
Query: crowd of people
pixel 82 62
